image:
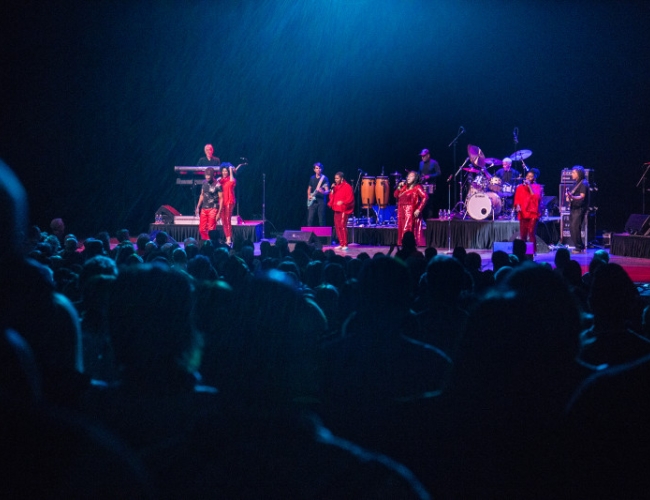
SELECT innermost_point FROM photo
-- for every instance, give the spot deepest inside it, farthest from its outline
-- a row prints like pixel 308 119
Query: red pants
pixel 207 222
pixel 527 230
pixel 341 226
pixel 226 214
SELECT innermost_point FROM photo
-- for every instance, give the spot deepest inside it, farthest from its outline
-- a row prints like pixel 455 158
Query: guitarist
pixel 317 191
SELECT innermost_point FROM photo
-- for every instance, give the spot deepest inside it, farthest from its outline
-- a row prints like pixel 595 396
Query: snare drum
pixel 495 184
pixel 367 192
pixel 483 205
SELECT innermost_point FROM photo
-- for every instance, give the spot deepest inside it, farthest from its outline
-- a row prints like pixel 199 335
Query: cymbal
pixel 476 156
pixel 471 170
pixel 522 154
pixel 493 161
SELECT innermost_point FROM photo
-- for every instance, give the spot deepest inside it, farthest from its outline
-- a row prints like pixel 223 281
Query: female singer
pixel 411 199
pixel 228 183
pixel 526 202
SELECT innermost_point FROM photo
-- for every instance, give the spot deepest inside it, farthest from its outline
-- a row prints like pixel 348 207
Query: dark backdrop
pixel 101 99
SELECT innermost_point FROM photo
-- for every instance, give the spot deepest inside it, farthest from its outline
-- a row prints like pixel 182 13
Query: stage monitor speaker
pixel 322 233
pixel 637 224
pixel 294 237
pixel 167 212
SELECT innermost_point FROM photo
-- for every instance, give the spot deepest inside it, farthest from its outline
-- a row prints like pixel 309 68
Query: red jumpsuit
pixel 342 202
pixel 227 204
pixel 409 199
pixel 528 197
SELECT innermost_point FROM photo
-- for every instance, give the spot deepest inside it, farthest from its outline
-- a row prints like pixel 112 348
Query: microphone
pixel 450 178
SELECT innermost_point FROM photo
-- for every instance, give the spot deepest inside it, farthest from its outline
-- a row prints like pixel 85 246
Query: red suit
pixel 342 202
pixel 228 203
pixel 410 199
pixel 527 198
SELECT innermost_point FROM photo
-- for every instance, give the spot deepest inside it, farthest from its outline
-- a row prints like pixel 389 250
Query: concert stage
pixel 469 233
pixel 247 230
pixel 629 245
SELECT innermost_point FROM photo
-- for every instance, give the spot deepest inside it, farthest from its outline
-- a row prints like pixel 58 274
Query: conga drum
pixel 382 191
pixel 367 192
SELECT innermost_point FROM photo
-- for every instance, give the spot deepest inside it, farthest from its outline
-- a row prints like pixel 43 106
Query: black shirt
pixel 313 182
pixel 210 191
pixel 581 188
pixel 204 162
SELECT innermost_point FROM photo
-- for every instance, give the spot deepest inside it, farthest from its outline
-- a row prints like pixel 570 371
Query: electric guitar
pixel 312 196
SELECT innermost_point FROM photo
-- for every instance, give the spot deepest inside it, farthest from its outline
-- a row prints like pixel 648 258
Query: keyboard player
pixel 209 160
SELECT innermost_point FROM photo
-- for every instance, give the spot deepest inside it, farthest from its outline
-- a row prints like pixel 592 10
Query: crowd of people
pixel 158 369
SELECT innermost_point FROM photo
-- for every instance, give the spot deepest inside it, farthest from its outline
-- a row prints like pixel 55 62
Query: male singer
pixel 209 203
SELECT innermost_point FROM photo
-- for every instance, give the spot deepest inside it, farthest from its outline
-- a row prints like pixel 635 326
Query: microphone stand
pixel 642 182
pixel 454 143
pixel 263 204
pixel 357 196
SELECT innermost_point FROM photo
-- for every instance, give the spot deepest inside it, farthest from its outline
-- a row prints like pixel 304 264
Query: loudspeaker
pixel 295 236
pixel 323 233
pixel 637 224
pixel 167 212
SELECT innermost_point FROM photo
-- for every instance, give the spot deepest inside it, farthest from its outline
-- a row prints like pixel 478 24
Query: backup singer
pixel 317 192
pixel 527 202
pixel 342 202
pixel 411 199
pixel 228 183
pixel 209 203
pixel 579 206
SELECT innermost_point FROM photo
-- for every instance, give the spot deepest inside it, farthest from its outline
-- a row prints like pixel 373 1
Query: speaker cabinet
pixel 637 224
pixel 565 231
pixel 295 236
pixel 322 233
pixel 167 212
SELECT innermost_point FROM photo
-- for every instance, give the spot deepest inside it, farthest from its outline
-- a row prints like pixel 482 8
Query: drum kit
pixel 487 193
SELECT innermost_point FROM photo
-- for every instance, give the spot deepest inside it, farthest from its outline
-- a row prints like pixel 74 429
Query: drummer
pixel 429 171
pixel 506 173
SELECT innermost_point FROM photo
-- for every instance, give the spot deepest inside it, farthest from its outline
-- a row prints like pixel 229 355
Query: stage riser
pixel 180 232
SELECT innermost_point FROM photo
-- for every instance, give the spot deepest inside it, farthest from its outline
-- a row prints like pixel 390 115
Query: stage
pixel 629 245
pixel 247 230
pixel 469 233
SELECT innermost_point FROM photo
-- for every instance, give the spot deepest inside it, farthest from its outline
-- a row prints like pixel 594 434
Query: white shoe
pixel 344 248
pixel 337 247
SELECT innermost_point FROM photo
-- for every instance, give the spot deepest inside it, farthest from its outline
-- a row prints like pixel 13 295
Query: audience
pixel 215 372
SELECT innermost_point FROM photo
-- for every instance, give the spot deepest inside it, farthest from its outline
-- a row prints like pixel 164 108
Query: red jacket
pixel 343 193
pixel 528 201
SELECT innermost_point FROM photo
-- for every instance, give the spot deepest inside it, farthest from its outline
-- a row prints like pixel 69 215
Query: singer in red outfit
pixel 342 202
pixel 228 183
pixel 411 199
pixel 527 201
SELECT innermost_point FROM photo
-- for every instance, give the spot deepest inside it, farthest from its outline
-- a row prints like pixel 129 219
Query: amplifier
pixel 565 176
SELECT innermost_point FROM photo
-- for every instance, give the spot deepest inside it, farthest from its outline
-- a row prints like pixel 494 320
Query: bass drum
pixel 367 192
pixel 484 205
